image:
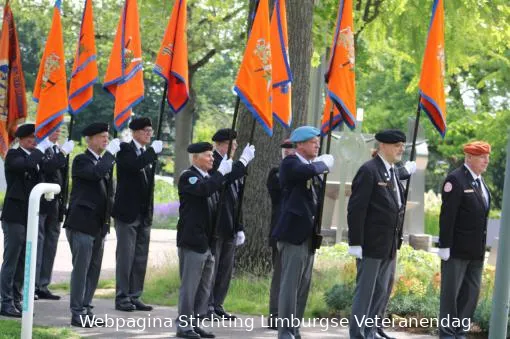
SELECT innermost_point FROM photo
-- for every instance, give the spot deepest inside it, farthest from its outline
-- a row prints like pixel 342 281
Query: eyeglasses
pixel 148 130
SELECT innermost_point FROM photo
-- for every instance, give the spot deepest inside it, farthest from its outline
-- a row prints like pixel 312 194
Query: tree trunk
pixel 254 256
pixel 183 130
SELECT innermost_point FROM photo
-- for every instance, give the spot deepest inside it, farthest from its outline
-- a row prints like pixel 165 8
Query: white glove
pixel 410 167
pixel 225 166
pixel 157 146
pixel 44 145
pixel 240 238
pixel 444 253
pixel 327 159
pixel 355 251
pixel 248 154
pixel 67 147
pixel 114 146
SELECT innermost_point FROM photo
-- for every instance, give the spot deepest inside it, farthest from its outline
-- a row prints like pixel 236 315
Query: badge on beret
pixel 448 187
pixel 193 180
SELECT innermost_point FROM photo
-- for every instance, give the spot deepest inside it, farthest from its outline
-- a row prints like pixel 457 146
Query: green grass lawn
pixel 12 329
pixel 248 294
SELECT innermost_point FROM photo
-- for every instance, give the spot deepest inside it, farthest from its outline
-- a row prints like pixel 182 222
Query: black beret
pixel 287 144
pixel 140 123
pixel 24 130
pixel 95 128
pixel 224 134
pixel 199 147
pixel 390 136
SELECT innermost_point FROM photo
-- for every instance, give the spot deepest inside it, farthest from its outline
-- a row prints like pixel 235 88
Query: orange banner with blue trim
pixel 50 91
pixel 282 74
pixel 84 76
pixel 13 102
pixel 432 95
pixel 172 60
pixel 340 75
pixel 124 75
pixel 254 80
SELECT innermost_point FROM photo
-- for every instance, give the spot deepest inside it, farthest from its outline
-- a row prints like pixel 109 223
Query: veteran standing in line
pixel 462 239
pixel 295 231
pixel 132 212
pixel 54 170
pixel 275 192
pixel 375 220
pixel 22 173
pixel 88 217
pixel 198 198
pixel 229 229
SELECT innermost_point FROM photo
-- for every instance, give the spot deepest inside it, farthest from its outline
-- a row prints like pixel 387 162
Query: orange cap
pixel 477 148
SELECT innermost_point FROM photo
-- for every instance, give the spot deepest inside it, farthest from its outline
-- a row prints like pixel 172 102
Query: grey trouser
pixel 370 295
pixel 196 271
pixel 87 251
pixel 13 263
pixel 223 267
pixel 460 288
pixel 49 231
pixel 275 282
pixel 132 254
pixel 382 312
pixel 296 276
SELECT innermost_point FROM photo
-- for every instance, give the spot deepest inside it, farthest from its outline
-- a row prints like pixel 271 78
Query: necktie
pixel 394 185
pixel 55 149
pixel 478 187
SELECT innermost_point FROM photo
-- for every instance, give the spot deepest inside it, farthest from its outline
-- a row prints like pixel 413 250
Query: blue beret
pixel 199 147
pixel 24 130
pixel 95 128
pixel 224 134
pixel 140 123
pixel 304 133
pixel 390 136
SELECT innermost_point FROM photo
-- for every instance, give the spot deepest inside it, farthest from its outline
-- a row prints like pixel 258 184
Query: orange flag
pixel 432 96
pixel 254 80
pixel 124 75
pixel 13 103
pixel 84 76
pixel 50 91
pixel 340 77
pixel 337 116
pixel 282 74
pixel 172 60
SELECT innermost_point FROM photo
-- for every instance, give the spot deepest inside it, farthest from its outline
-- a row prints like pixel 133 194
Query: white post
pixel 49 190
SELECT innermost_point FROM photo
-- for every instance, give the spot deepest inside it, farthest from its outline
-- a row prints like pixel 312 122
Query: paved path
pixel 160 323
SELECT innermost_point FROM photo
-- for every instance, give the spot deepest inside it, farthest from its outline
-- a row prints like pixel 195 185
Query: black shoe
pixel 140 306
pixel 127 307
pixel 220 312
pixel 19 307
pixel 47 295
pixel 190 334
pixel 78 323
pixel 11 312
pixel 271 323
pixel 203 334
pixel 383 334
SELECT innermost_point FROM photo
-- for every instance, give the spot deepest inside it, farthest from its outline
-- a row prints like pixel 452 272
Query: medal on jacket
pixel 309 183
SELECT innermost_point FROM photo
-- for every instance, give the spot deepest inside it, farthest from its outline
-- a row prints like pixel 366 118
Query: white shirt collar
pixel 26 151
pixel 386 164
pixel 94 154
pixel 138 145
pixel 473 173
pixel 204 173
pixel 303 160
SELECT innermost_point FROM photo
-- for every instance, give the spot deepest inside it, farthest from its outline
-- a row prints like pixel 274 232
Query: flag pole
pixel 251 19
pixel 161 112
pixel 65 190
pixel 411 158
pixel 320 205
